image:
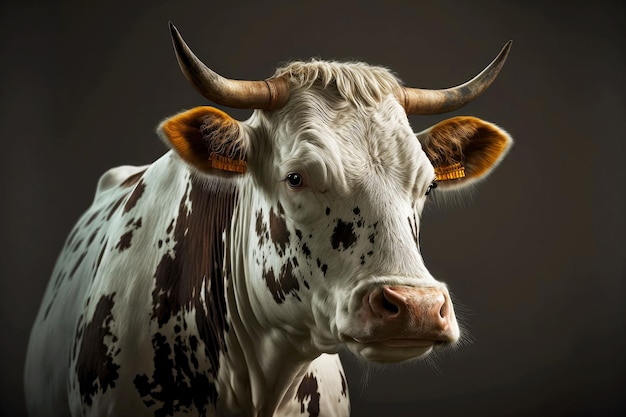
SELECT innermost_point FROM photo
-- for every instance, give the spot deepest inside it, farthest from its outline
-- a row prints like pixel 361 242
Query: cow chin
pixel 391 352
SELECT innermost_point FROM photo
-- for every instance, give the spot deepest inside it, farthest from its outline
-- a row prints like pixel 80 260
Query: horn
pixel 422 101
pixel 268 94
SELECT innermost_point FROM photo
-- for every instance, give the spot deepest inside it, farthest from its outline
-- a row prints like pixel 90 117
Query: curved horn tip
pixel 173 30
pixel 507 47
pixel 500 59
pixel 174 33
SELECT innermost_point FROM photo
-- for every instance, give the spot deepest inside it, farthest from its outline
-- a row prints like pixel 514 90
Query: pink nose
pixel 414 312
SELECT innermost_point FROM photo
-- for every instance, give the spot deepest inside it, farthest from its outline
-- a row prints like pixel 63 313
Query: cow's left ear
pixel 208 139
pixel 464 149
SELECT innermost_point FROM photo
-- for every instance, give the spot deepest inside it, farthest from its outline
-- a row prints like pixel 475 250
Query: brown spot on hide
pixel 343 236
pixel 126 239
pixel 95 368
pixel 77 264
pixel 124 242
pixel 261 228
pixel 286 283
pixel 135 196
pixel 104 246
pixel 47 311
pixel 93 236
pixel 115 206
pixel 132 180
pixel 77 245
pixel 278 231
pixel 92 218
pixel 272 285
pixel 321 266
pixel 372 236
pixel 308 389
pixel 198 254
pixel 175 386
pixel 170 227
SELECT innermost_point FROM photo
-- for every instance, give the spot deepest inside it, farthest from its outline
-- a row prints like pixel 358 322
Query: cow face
pixel 334 189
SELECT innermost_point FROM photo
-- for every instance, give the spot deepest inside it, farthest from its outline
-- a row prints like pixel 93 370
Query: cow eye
pixel 431 187
pixel 294 180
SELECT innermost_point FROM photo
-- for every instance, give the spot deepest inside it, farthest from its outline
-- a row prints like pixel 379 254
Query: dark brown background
pixel 535 254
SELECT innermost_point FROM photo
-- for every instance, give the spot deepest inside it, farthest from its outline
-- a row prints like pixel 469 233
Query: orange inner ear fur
pixel 485 149
pixel 471 142
pixel 207 138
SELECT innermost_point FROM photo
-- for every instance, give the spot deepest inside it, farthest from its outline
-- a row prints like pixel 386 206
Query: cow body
pixel 203 288
pixel 145 319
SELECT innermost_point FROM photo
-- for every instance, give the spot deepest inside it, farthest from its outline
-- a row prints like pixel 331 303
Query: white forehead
pixel 356 82
pixel 344 119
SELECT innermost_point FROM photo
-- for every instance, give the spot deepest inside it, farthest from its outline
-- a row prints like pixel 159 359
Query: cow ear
pixel 208 139
pixel 464 149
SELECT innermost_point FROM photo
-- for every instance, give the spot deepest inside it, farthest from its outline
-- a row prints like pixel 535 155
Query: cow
pixel 222 279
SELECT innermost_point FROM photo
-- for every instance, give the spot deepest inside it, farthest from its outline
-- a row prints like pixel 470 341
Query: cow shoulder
pixel 125 176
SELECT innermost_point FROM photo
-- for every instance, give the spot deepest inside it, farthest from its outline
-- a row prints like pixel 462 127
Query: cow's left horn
pixel 269 94
pixel 421 101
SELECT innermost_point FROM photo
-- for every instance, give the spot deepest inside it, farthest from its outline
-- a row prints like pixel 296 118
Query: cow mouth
pixel 404 342
pixel 392 349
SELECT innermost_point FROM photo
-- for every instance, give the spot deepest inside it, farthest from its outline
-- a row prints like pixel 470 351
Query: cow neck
pixel 272 362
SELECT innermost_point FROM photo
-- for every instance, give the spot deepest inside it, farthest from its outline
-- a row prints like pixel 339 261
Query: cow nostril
pixel 443 311
pixel 389 306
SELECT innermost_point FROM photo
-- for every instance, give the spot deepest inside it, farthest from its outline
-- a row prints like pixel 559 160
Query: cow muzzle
pixel 397 323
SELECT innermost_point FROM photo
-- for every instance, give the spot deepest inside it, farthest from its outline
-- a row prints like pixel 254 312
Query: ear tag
pixel 227 164
pixel 450 172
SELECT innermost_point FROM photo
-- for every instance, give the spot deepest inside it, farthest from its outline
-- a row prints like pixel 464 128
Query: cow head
pixel 341 181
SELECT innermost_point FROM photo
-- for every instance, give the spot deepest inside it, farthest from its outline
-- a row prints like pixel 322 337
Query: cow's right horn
pixel 423 101
pixel 268 94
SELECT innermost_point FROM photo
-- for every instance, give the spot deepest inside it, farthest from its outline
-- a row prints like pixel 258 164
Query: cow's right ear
pixel 208 139
pixel 463 149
